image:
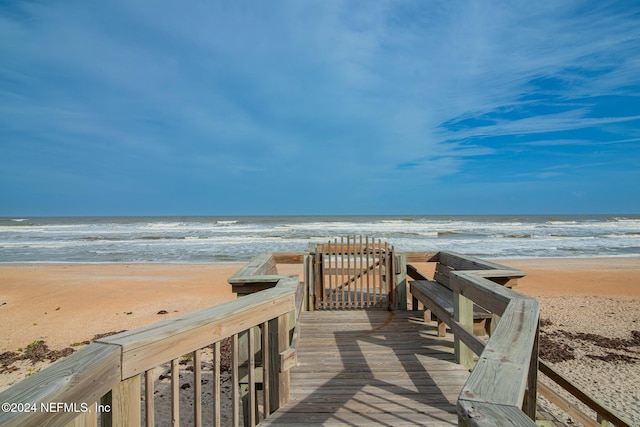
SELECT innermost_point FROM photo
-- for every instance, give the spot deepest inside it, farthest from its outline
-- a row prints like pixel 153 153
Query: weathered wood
pixel 452 261
pixel 585 398
pixel 367 253
pixel 260 283
pixel 288 359
pixel 197 388
pixel 374 368
pixel 432 256
pixel 263 264
pixel 152 345
pixel 175 392
pixel 83 377
pixel 289 257
pixel 149 403
pixel 401 280
pixel 125 402
pixel 414 273
pixel 349 303
pixel 250 414
pixel 217 357
pixel 506 358
pixel 463 314
pixel 464 262
pixel 360 283
pixel 480 414
pixel 345 265
pixel 443 296
pixel 483 292
pixel 278 344
pixel 266 368
pixel 259 274
pixel 381 291
pixel 441 274
pixel 529 404
pixel 309 280
pixel 318 300
pixel 235 386
pixel 566 405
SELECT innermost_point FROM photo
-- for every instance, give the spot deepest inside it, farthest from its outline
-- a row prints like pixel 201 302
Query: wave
pixel 624 219
pixel 99 239
pixel 184 239
pixel 15 223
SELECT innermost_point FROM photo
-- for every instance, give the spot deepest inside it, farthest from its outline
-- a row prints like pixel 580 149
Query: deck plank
pixel 371 367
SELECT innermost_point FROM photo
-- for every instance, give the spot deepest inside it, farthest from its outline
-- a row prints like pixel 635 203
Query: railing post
pixel 125 403
pixel 318 270
pixel 401 280
pixel 279 381
pixel 463 314
pixel 602 421
pixel 529 403
pixel 309 283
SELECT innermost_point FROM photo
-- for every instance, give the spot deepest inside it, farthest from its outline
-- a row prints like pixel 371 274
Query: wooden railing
pixel 104 380
pixel 501 389
pixel 604 415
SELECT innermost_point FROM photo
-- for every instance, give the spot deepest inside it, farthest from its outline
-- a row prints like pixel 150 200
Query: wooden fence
pixel 356 272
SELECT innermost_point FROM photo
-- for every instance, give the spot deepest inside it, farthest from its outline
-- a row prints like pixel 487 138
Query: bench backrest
pixel 451 261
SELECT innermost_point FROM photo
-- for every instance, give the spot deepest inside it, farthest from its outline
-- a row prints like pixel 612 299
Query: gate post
pixel 309 282
pixel 400 270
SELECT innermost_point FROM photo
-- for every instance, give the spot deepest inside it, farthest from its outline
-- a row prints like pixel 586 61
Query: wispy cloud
pixel 380 89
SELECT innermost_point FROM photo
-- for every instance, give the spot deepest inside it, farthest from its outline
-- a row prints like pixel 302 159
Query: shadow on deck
pixel 372 367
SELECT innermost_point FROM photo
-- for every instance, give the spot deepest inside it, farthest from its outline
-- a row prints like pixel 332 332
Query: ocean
pixel 239 238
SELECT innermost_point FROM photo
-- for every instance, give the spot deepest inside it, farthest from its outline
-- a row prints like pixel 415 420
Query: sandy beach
pixel 66 304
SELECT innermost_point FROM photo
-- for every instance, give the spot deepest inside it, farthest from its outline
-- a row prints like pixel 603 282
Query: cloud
pixel 355 89
pixel 577 142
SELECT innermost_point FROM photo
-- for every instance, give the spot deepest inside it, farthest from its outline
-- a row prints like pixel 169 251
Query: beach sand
pixel 66 304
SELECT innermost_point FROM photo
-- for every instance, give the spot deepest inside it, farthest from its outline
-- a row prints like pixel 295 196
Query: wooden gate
pixel 352 272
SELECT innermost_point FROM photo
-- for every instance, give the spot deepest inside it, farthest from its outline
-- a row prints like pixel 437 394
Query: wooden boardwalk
pixel 371 367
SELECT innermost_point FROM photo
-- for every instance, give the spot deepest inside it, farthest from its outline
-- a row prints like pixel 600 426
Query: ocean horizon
pixel 202 239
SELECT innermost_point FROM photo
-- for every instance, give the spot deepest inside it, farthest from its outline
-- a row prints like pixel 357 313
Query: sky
pixel 319 107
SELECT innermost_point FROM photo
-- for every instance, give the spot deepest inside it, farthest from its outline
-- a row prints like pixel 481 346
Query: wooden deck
pixel 371 367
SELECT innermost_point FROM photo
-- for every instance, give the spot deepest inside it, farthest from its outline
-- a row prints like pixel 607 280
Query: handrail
pixel 603 412
pixel 149 346
pixel 112 366
pixel 501 388
pixel 80 379
pixel 501 380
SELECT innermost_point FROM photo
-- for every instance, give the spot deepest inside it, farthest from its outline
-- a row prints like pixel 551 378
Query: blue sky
pixel 319 107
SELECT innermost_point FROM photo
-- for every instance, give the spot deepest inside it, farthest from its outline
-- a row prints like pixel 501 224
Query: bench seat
pixel 439 300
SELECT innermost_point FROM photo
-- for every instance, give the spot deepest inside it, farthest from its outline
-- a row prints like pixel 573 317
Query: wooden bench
pixel 437 296
pixel 438 299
